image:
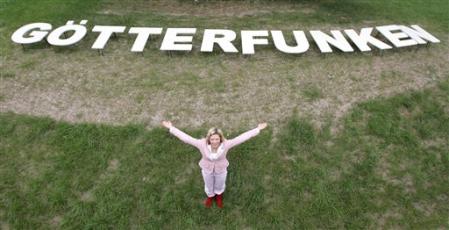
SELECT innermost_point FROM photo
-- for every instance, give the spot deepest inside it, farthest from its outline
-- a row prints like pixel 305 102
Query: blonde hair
pixel 213 131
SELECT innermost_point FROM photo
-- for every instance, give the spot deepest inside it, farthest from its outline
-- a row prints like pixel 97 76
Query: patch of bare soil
pixel 5 226
pixel 55 222
pixel 390 216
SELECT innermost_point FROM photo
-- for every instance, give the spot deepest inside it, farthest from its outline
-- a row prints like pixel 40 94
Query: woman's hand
pixel 262 125
pixel 167 124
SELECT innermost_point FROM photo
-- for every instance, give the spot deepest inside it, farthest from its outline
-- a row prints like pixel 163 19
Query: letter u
pixel 302 44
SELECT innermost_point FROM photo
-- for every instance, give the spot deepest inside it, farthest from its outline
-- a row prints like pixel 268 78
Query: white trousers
pixel 214 183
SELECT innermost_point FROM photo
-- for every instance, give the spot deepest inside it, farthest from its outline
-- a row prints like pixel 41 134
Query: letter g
pixel 33 36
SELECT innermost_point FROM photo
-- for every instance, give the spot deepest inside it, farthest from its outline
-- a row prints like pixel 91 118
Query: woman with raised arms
pixel 213 163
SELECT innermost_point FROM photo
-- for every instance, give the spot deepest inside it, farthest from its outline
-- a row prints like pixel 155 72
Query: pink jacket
pixel 221 163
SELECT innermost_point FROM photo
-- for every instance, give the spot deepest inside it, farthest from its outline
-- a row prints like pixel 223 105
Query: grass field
pixel 387 169
pixel 354 140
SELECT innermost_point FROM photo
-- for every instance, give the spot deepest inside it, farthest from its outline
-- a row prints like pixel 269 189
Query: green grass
pixel 432 13
pixel 311 92
pixel 6 75
pixel 15 13
pixel 388 167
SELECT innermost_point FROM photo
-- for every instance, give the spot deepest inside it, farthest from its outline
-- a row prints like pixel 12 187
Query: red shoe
pixel 208 202
pixel 219 200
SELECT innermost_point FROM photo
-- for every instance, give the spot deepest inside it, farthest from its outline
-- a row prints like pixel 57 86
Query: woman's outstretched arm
pixel 184 137
pixel 245 136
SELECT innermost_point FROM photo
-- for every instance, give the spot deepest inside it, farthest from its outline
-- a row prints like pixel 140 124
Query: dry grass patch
pixel 198 89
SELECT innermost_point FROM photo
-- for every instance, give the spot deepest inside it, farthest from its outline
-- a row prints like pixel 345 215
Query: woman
pixel 213 163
